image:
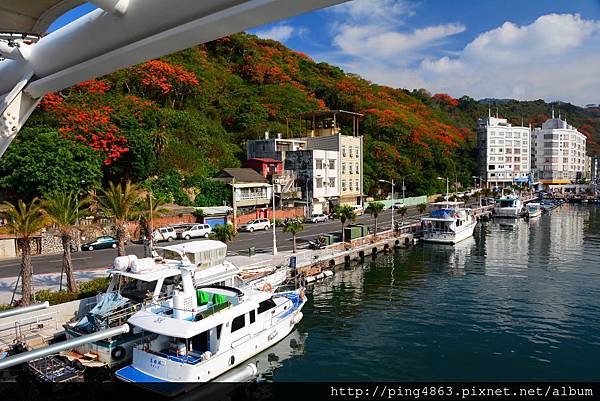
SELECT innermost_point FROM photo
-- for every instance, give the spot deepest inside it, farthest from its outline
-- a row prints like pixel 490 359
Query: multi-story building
pixel 323 130
pixel 317 175
pixel 273 148
pixel 595 169
pixel 504 152
pixel 559 151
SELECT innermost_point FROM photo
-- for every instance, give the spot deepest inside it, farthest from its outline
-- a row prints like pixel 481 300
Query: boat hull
pixel 449 237
pixel 509 212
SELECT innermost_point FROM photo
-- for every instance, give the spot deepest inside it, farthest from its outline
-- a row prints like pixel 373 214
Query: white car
pixel 197 231
pixel 164 234
pixel 256 224
pixel 358 210
pixel 318 218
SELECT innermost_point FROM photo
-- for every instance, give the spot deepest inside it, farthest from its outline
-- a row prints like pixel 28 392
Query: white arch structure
pixel 118 34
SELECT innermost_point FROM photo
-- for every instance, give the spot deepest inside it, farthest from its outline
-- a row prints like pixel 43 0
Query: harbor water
pixel 517 302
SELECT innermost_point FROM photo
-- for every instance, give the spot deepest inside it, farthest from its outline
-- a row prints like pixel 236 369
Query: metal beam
pixel 24 309
pixel 118 7
pixel 62 346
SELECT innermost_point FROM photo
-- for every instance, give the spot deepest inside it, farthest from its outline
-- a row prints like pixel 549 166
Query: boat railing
pixel 19 329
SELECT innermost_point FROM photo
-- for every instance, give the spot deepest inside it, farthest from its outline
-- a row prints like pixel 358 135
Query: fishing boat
pixel 138 282
pixel 448 223
pixel 198 336
pixel 534 210
pixel 509 206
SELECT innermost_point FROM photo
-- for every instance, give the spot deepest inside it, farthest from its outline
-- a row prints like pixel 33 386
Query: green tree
pixel 25 221
pixel 402 211
pixel 223 232
pixel 62 210
pixel 149 207
pixel 213 193
pixel 344 213
pixel 374 209
pixel 40 162
pixel 139 162
pixel 421 207
pixel 293 228
pixel 119 202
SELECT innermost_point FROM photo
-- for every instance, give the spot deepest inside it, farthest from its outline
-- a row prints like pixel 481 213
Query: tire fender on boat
pixel 118 353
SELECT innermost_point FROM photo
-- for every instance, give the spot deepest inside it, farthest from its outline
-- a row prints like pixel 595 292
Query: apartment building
pixel 317 176
pixel 504 152
pixel 559 151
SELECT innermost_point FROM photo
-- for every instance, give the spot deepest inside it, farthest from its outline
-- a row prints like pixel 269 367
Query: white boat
pixel 448 223
pixel 137 282
pixel 509 206
pixel 534 210
pixel 199 336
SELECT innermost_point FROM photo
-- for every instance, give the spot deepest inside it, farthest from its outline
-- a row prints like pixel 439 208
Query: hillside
pixel 173 122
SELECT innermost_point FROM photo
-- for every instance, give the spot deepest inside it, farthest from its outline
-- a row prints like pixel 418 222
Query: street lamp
pixel 404 187
pixel 274 225
pixel 447 187
pixel 393 201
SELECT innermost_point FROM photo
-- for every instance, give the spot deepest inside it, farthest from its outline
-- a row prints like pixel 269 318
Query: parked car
pixel 256 224
pixel 399 205
pixel 103 242
pixel 318 218
pixel 196 231
pixel 164 234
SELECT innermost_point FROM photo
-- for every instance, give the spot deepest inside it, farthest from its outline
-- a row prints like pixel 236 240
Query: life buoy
pixel 267 287
pixel 118 353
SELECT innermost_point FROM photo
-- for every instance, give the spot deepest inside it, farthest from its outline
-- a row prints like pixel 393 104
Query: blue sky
pixel 526 49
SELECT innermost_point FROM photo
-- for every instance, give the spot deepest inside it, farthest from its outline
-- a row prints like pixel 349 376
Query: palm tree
pixel 25 220
pixel 486 192
pixel 421 207
pixel 223 232
pixel 62 210
pixel 119 203
pixel 402 211
pixel 148 208
pixel 293 228
pixel 374 209
pixel 344 213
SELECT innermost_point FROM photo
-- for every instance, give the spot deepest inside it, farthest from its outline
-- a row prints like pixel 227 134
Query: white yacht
pixel 138 282
pixel 448 223
pixel 197 336
pixel 534 210
pixel 509 206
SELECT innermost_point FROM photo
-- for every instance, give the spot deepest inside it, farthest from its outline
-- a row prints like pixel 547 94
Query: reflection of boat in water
pixel 268 361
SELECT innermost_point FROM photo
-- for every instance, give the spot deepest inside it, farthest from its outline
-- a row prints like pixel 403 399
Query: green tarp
pixel 202 297
pixel 219 299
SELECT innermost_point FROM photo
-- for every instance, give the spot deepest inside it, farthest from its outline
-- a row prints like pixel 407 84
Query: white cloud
pixel 280 33
pixel 375 10
pixel 556 57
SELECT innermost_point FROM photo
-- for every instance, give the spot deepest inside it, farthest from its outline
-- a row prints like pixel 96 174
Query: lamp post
pixel 274 225
pixel 392 184
pixel 475 178
pixel 447 187
pixel 404 187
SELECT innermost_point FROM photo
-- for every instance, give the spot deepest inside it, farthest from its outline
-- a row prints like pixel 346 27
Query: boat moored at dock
pixel 448 223
pixel 510 206
pixel 534 210
pixel 196 337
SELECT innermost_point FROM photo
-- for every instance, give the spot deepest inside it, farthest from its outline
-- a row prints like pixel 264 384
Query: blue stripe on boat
pixel 131 374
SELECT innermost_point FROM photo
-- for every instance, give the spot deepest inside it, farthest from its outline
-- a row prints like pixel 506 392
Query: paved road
pixel 262 241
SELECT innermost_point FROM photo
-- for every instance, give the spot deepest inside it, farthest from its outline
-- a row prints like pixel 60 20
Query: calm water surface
pixel 519 301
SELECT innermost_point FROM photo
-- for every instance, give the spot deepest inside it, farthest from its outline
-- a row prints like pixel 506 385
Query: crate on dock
pixel 328 239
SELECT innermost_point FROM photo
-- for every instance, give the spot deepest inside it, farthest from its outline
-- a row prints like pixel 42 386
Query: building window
pixel 343 185
pixel 319 163
pixel 350 151
pixel 343 168
pixel 350 171
pixel 357 151
pixel 350 187
pixel 319 183
pixel 343 151
pixel 331 164
pixel 357 185
pixel 332 183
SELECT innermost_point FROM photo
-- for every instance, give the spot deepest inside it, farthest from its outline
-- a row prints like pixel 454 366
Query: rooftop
pixel 309 115
pixel 242 175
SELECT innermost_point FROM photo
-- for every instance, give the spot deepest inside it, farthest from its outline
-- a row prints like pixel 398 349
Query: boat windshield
pixel 507 202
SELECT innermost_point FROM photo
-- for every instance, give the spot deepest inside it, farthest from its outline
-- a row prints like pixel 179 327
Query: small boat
pixel 448 223
pixel 198 336
pixel 534 210
pixel 509 206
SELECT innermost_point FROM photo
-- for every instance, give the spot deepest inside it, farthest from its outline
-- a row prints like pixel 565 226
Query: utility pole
pixel 274 225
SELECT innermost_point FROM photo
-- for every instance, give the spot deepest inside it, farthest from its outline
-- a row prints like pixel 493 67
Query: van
pixel 358 210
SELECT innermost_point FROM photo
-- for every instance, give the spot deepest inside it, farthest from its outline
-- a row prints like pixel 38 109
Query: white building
pixel 559 151
pixel 317 176
pixel 504 152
